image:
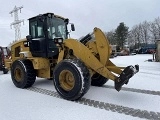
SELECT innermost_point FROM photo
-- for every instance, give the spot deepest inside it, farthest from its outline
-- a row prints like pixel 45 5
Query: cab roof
pixel 47 14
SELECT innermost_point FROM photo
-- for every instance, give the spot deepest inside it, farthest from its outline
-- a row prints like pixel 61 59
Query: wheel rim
pixel 18 75
pixel 66 80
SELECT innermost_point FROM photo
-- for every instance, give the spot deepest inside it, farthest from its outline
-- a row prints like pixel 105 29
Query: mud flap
pixel 124 77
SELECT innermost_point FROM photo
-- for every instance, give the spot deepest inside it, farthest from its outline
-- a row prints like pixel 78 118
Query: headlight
pixel 58 40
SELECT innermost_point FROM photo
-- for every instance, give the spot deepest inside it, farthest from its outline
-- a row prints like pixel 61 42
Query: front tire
pixel 22 73
pixel 71 79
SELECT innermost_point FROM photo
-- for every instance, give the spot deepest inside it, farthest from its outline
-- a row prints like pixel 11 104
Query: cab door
pixel 37 43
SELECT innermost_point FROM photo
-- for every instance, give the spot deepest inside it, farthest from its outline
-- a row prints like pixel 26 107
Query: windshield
pixel 56 28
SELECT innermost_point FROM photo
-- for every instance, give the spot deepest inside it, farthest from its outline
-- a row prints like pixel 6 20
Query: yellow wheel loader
pixel 74 65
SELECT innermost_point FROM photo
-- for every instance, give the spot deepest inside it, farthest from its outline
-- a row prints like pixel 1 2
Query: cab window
pixel 36 29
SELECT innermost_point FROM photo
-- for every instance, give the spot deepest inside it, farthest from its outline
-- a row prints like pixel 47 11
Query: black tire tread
pixel 30 74
pixel 86 76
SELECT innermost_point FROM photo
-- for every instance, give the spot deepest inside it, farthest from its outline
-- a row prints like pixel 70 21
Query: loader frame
pixel 70 63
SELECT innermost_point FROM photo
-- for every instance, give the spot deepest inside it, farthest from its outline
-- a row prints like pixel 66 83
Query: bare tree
pixel 136 35
pixel 145 32
pixel 111 37
pixel 157 22
pixel 131 38
pixel 154 31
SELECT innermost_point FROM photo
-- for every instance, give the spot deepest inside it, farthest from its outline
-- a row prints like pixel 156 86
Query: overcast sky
pixel 85 14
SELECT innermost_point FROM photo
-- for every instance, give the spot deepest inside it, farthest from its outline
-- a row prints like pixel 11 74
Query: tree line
pixel 139 35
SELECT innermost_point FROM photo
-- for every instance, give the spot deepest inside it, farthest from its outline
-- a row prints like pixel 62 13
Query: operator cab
pixel 45 31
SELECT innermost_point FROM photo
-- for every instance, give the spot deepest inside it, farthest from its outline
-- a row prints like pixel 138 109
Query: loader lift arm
pixel 100 64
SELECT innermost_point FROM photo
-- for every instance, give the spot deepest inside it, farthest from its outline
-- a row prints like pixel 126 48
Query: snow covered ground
pixel 25 104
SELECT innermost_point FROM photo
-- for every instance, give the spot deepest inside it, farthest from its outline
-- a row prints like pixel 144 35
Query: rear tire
pixel 22 73
pixel 98 80
pixel 71 79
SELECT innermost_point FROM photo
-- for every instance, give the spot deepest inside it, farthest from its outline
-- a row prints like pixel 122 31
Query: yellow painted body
pixel 19 51
pixel 94 54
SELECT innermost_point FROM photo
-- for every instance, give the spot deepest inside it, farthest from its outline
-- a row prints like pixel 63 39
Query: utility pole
pixel 17 22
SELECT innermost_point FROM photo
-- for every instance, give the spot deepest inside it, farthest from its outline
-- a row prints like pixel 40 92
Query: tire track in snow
pixel 150 92
pixel 106 106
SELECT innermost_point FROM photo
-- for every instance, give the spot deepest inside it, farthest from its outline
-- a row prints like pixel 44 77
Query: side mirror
pixel 72 27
